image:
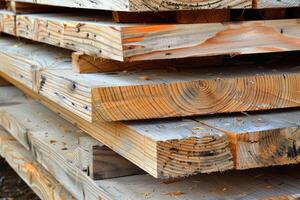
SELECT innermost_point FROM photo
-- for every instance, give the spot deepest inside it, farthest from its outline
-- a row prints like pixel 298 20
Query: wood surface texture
pixel 36 177
pixel 7 22
pixel 99 37
pixel 272 183
pixel 144 156
pixel 87 64
pixel 209 142
pixel 158 93
pixel 264 184
pixel 254 184
pixel 142 5
pixel 54 150
pixel 166 5
pixel 275 3
pixel 64 150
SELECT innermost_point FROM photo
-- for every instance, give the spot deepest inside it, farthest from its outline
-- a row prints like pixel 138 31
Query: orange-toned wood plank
pixel 139 42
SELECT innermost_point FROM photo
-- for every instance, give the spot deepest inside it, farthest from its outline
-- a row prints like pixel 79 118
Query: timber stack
pixel 158 99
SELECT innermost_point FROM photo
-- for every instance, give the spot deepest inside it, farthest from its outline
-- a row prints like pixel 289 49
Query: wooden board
pixel 126 139
pixel 37 178
pixel 254 144
pixel 282 183
pixel 214 155
pixel 153 93
pixel 140 5
pixel 24 58
pixel 56 153
pixel 114 136
pixel 86 64
pixel 264 184
pixel 7 22
pixel 275 3
pixel 169 93
pixel 33 125
pixel 100 37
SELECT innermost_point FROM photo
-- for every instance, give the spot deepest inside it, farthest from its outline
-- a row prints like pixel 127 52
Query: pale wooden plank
pixel 276 3
pixel 24 58
pixel 7 22
pixel 99 37
pixel 139 5
pixel 254 144
pixel 153 133
pixel 170 93
pixel 36 177
pixel 62 149
pixel 165 130
pixel 120 137
pixel 258 184
pixel 87 64
pixel 156 93
pixel 264 184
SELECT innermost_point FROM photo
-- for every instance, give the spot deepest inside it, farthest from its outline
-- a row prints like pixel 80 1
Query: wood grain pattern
pixel 210 39
pixel 28 121
pixel 23 59
pixel 248 137
pixel 7 22
pixel 160 93
pixel 275 3
pixel 86 64
pixel 136 42
pixel 265 184
pixel 254 144
pixel 125 140
pixel 166 93
pixel 212 142
pixel 257 184
pixel 54 142
pixel 142 5
pixel 36 177
pixel 160 138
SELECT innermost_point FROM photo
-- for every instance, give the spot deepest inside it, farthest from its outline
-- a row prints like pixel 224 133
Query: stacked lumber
pixel 54 148
pixel 174 89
